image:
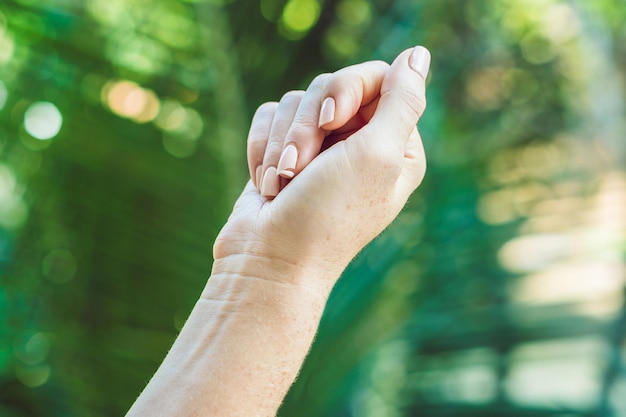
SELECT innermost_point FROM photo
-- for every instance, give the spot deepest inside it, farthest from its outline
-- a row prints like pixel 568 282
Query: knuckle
pixel 273 146
pixel 292 95
pixel 272 150
pixel 299 132
pixel 267 107
pixel 320 80
pixel 256 139
pixel 373 70
pixel 381 63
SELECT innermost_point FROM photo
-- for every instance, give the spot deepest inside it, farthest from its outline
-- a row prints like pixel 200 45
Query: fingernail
pixel 420 61
pixel 270 185
pixel 257 179
pixel 287 162
pixel 327 112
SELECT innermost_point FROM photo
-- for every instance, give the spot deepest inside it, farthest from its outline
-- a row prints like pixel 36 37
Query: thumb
pixel 402 98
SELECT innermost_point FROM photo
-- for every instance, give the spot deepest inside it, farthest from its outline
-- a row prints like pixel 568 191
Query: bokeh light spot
pixel 182 127
pixel 3 95
pixel 182 122
pixel 125 99
pixel 561 23
pixel 534 253
pixel 170 116
pixel 556 371
pixel 139 53
pixel 496 207
pixel 129 100
pixel 537 49
pixel 179 147
pixel 31 348
pixel 150 108
pixel 340 42
pixel 108 12
pixel 32 143
pixel 59 266
pixel 484 88
pixel 166 120
pixel 519 86
pixel 12 209
pixel 354 12
pixel 7 180
pixel 33 376
pixel 7 47
pixel 299 16
pixel 43 120
pixel 172 24
pixel 270 9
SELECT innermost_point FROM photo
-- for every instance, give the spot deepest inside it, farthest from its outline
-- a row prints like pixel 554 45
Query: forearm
pixel 242 346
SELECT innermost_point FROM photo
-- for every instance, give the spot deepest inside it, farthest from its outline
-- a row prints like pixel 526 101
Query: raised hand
pixel 341 198
pixel 358 156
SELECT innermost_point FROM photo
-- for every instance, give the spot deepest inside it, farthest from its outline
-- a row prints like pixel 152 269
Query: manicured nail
pixel 287 162
pixel 420 61
pixel 327 112
pixel 270 186
pixel 257 178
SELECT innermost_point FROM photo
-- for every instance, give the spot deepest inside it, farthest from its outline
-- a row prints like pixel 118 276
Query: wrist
pixel 253 273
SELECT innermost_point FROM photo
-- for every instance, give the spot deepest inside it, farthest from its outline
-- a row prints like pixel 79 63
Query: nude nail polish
pixel 327 112
pixel 270 186
pixel 287 162
pixel 420 61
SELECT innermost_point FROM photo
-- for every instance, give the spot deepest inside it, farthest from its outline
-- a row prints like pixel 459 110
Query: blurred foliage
pixel 498 292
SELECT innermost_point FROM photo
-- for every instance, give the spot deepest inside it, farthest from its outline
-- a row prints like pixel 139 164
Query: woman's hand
pixel 284 247
pixel 342 197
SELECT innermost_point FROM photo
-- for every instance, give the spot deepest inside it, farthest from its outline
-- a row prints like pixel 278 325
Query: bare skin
pixel 318 167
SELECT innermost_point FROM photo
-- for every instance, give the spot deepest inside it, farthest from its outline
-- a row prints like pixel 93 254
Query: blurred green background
pixel 498 292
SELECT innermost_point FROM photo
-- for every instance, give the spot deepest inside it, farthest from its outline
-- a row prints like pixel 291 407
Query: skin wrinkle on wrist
pixel 234 289
pixel 278 300
pixel 272 268
pixel 274 252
